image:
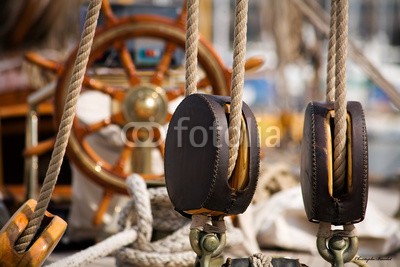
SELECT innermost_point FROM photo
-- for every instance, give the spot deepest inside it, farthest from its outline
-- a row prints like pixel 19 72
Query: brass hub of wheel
pixel 145 103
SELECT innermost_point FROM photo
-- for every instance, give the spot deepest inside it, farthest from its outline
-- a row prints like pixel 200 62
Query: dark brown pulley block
pixel 321 200
pixel 196 158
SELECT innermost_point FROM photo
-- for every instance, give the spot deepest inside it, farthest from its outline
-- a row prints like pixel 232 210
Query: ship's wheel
pixel 138 98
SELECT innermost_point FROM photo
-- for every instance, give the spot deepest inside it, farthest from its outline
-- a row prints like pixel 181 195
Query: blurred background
pixel 282 34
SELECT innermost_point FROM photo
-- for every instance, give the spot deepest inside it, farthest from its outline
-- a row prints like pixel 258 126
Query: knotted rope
pixel 239 52
pixel 65 126
pixel 336 86
pixel 148 210
pixel 260 260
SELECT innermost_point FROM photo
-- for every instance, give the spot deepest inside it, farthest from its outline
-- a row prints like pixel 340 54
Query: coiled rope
pixel 239 53
pixel 148 210
pixel 65 127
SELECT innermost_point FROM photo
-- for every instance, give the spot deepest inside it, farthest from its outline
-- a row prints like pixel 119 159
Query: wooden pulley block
pixel 196 158
pixel 42 245
pixel 322 202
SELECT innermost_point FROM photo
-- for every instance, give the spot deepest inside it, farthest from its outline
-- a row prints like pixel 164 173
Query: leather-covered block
pixel 321 201
pixel 196 158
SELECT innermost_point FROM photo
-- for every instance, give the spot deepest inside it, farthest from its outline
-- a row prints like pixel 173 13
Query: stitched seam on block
pixel 233 202
pixel 217 157
pixel 314 161
pixel 259 149
pixel 365 164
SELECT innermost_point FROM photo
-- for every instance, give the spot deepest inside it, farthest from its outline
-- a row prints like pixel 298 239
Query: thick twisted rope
pixel 99 250
pixel 330 78
pixel 65 126
pixel 191 47
pixel 260 260
pixel 137 221
pixel 339 164
pixel 239 54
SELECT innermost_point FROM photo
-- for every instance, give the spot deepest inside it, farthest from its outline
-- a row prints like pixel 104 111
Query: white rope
pixel 260 260
pixel 64 130
pixel 148 210
pixel 99 250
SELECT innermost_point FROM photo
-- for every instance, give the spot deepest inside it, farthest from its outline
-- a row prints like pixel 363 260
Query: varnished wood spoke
pixel 122 160
pixel 85 129
pixel 169 116
pixel 102 208
pixel 163 65
pixel 203 83
pixel 118 118
pixel 107 12
pixel 181 19
pixel 41 148
pixel 175 93
pixel 128 64
pixel 45 63
pixel 97 85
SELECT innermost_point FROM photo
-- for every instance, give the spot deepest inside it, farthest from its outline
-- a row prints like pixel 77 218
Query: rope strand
pixel 191 46
pixel 239 53
pixel 330 79
pixel 339 164
pixel 65 127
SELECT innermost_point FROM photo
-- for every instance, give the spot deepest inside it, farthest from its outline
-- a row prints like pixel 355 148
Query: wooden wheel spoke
pixel 107 12
pixel 127 62
pixel 164 64
pixel 118 118
pixel 175 93
pixel 123 158
pixel 86 129
pixel 97 85
pixel 203 83
pixel 169 116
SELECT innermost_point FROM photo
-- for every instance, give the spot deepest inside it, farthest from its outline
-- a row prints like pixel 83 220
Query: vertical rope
pixel 239 53
pixel 65 126
pixel 339 164
pixel 330 79
pixel 192 40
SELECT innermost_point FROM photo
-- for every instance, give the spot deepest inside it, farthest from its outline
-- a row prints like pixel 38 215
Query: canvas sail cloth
pixel 281 222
